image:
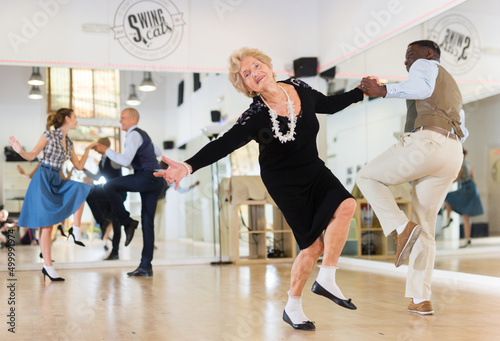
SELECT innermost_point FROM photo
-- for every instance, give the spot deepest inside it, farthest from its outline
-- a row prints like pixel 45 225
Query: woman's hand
pixel 91 146
pixel 175 173
pixel 15 145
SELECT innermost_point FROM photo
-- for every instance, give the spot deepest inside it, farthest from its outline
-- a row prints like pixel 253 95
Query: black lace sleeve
pixel 243 131
pixel 329 104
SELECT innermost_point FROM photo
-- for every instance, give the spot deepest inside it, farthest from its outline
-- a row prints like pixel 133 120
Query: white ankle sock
pixel 419 300
pixel 401 228
pixel 326 278
pixel 77 231
pixel 51 271
pixel 293 309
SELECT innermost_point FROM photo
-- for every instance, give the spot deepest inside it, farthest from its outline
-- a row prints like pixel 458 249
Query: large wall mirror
pixel 182 104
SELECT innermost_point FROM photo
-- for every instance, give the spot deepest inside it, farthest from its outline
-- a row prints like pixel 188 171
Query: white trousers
pixel 431 161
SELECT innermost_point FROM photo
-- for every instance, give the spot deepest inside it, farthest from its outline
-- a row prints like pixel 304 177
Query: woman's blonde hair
pixel 235 60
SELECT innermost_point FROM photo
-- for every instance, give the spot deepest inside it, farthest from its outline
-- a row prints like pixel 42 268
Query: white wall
pixel 21 117
pixel 386 58
pixel 50 32
pixel 348 28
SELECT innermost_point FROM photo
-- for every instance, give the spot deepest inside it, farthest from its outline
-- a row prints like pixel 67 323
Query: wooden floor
pixel 229 302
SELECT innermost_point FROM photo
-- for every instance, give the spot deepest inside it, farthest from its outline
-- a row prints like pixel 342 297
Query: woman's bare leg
pixel 467 227
pixel 448 212
pixel 303 266
pixel 337 231
pixel 335 239
pixel 331 244
pixel 78 215
pixel 45 240
pixel 77 223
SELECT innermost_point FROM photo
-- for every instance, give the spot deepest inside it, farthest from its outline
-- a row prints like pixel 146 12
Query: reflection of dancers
pixel 465 200
pixel 50 199
pixel 160 206
pixel 100 204
pixel 65 177
pixel 141 153
pixel 282 120
pixel 5 225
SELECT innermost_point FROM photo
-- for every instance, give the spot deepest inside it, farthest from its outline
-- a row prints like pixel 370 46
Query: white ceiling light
pixel 133 100
pixel 35 92
pixel 36 77
pixel 147 84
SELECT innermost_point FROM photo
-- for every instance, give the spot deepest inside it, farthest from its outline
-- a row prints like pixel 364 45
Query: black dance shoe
pixel 112 256
pixel 129 231
pixel 449 223
pixel 319 290
pixel 61 230
pixel 53 279
pixel 77 242
pixel 306 325
pixel 141 272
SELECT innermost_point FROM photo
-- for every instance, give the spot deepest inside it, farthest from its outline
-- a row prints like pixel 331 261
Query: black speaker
pixel 305 67
pixel 329 74
pixel 168 145
pixel 196 81
pixel 180 94
pixel 215 115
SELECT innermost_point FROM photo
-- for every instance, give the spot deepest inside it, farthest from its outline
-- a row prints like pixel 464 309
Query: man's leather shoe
pixel 305 325
pixel 129 231
pixel 319 290
pixel 112 256
pixel 405 242
pixel 141 272
pixel 423 308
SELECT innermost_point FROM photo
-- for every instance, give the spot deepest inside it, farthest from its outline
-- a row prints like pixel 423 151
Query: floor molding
pixel 462 280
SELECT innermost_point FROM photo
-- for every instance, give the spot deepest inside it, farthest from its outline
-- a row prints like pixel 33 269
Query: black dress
pixel 305 190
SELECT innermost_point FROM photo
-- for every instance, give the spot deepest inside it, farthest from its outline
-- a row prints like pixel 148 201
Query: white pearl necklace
pixel 274 120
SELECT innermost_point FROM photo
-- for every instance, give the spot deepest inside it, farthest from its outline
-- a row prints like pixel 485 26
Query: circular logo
pixel 148 30
pixel 459 43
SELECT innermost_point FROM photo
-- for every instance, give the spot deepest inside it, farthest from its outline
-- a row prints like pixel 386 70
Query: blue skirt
pixel 466 200
pixel 50 199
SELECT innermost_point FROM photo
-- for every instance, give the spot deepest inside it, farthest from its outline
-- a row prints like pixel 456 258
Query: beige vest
pixel 440 110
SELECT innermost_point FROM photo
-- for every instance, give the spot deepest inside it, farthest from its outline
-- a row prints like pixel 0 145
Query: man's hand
pixel 100 148
pixel 372 87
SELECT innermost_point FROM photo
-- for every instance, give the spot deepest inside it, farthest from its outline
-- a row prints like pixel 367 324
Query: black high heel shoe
pixel 449 222
pixel 61 230
pixel 319 290
pixel 53 279
pixel 77 242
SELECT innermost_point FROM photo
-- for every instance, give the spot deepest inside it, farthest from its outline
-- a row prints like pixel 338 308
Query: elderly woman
pixel 282 120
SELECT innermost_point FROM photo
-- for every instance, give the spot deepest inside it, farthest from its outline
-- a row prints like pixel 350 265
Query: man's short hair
pixel 105 141
pixel 430 44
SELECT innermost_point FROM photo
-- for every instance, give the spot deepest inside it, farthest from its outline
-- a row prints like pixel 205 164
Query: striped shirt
pixel 53 153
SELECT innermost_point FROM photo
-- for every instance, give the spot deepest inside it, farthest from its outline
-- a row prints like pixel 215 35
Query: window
pixel 91 93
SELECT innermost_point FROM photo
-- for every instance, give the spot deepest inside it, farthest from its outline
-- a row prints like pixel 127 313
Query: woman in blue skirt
pixel 465 200
pixel 50 199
